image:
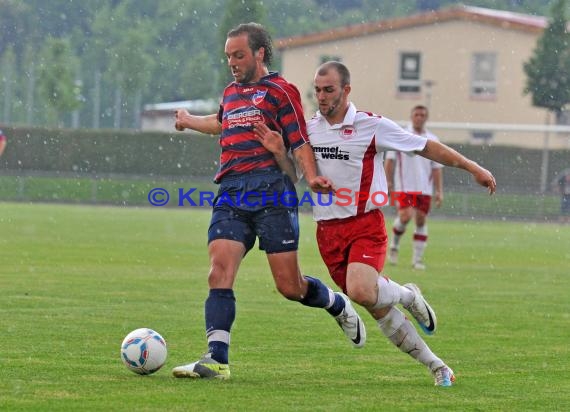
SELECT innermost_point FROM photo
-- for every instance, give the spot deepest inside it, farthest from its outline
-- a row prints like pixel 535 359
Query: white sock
pixel 405 337
pixel 332 299
pixel 397 230
pixel 391 293
pixel 420 243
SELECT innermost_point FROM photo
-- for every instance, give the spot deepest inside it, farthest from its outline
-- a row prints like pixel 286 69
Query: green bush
pixel 84 151
pixel 112 152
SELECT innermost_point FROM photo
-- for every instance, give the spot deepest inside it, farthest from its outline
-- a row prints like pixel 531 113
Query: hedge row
pixel 84 151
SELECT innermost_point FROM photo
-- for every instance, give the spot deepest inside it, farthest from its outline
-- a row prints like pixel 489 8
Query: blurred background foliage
pixel 95 64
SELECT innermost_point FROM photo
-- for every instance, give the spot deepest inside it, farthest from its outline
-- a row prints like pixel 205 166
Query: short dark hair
pixel 420 107
pixel 257 37
pixel 340 68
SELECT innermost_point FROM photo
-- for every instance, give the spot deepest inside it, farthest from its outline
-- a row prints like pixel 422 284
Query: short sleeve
pixel 221 114
pixel 390 136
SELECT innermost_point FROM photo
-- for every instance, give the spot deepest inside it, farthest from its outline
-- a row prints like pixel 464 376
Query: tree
pixel 99 50
pixel 183 38
pixel 16 28
pixel 29 79
pixel 188 54
pixel 197 77
pixel 548 74
pixel 237 12
pixel 548 69
pixel 57 82
pixel 7 82
pixel 132 65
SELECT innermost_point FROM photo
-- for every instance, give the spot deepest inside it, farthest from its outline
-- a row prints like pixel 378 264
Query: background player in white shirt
pixel 351 231
pixel 413 178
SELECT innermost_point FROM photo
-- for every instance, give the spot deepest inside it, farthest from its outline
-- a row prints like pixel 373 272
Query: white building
pixel 464 63
pixel 161 116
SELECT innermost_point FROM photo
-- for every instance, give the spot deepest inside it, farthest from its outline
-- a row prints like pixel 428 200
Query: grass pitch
pixel 74 280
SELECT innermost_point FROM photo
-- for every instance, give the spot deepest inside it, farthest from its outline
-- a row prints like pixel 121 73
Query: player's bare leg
pixel 420 240
pixel 310 291
pixel 220 309
pixel 398 230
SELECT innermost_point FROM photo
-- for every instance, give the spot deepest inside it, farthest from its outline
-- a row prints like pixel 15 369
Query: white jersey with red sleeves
pixel 351 155
pixel 413 173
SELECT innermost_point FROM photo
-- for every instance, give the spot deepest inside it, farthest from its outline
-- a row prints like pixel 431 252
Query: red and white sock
pixel 398 229
pixel 400 331
pixel 420 243
pixel 391 293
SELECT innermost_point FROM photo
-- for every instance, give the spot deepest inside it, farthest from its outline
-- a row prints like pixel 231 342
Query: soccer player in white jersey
pixel 351 236
pixel 413 178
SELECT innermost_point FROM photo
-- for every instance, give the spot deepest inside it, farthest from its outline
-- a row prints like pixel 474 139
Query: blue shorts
pixel 254 205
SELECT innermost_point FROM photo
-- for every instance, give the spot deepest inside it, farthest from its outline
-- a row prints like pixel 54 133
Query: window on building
pixel 410 73
pixel 484 75
pixel 481 136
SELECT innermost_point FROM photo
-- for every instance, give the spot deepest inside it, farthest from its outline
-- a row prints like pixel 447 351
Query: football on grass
pixel 143 351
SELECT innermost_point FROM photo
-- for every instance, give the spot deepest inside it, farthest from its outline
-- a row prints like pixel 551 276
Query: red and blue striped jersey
pixel 273 101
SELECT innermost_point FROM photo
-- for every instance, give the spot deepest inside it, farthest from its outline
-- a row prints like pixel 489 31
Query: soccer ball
pixel 143 351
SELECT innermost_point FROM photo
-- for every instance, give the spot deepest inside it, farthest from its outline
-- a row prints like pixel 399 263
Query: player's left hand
pixel 438 199
pixel 485 179
pixel 321 184
pixel 270 139
pixel 181 116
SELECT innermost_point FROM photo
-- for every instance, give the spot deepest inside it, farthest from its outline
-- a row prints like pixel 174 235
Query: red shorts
pixel 360 239
pixel 421 202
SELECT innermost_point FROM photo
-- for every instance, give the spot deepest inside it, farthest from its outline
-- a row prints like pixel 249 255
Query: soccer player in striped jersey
pixel 352 235
pixel 254 197
pixel 413 178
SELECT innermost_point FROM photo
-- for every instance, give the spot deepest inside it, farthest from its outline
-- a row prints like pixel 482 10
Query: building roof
pixel 504 19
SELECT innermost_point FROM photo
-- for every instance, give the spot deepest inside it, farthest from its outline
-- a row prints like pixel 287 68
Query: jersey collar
pixel 267 77
pixel 348 118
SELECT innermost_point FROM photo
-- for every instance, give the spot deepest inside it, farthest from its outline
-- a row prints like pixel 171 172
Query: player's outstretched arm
pixel 437 177
pixel 206 124
pixel 389 166
pixel 305 158
pixel 447 156
pixel 273 142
